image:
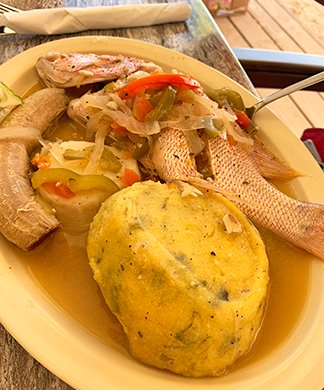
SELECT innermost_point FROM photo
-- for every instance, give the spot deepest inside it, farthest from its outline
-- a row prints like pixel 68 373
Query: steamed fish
pixel 75 69
pixel 232 170
pixel 193 139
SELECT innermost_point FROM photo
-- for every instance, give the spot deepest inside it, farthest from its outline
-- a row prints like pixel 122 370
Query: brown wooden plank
pixel 273 28
pixel 232 34
pixel 312 105
pixel 267 25
pixel 288 112
pixel 292 27
pixel 310 15
pixel 252 32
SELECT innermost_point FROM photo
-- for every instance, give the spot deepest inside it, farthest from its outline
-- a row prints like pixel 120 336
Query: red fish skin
pixel 236 174
pixel 235 170
pixel 74 69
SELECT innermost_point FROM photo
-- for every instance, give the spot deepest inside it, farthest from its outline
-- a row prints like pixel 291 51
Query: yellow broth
pixel 60 266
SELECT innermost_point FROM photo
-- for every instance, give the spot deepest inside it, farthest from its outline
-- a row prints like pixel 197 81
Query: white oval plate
pixel 83 361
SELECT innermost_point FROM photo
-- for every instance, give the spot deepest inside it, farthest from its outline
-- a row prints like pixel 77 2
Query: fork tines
pixel 7 8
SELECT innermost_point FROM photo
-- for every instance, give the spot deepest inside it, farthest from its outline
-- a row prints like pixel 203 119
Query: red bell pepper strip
pixel 59 189
pixel 130 177
pixel 156 81
pixel 141 108
pixel 242 119
pixel 118 130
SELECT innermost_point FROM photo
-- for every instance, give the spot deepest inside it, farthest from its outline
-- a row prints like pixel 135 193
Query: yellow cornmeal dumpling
pixel 187 277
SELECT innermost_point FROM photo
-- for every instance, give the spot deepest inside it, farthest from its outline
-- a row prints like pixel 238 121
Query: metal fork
pixel 7 8
pixel 319 77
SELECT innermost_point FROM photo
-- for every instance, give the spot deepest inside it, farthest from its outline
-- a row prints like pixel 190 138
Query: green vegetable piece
pixel 8 97
pixel 225 96
pixel 109 161
pixel 110 87
pixel 211 132
pixel 72 154
pixel 252 129
pixel 186 96
pixel 155 97
pixel 164 104
pixel 8 100
pixel 215 130
pixel 141 150
pixel 73 180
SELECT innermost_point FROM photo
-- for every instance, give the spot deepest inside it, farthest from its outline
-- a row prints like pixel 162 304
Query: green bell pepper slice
pixel 225 96
pixel 73 180
pixel 164 104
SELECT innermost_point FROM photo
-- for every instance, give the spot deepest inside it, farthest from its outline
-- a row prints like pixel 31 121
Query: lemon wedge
pixel 8 100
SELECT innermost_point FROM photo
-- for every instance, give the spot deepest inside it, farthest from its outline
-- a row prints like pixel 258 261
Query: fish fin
pixel 270 166
pixel 212 186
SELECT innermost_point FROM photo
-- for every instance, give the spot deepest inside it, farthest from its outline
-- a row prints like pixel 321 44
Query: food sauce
pixel 60 267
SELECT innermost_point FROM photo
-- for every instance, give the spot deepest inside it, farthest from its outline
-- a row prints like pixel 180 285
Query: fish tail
pixel 270 166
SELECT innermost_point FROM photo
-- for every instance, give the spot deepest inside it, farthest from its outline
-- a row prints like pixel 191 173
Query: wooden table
pixel 292 26
pixel 200 38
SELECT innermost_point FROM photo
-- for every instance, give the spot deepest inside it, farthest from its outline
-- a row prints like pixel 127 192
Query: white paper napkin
pixel 67 20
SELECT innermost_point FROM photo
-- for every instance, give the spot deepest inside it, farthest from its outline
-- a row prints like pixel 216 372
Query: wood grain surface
pixel 290 25
pixel 200 38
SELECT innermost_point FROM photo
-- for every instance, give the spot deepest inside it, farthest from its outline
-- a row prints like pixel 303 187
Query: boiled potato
pixel 187 277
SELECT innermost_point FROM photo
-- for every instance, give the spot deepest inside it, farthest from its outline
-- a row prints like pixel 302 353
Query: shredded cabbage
pixel 98 149
pixel 101 109
pixel 133 125
pixel 195 142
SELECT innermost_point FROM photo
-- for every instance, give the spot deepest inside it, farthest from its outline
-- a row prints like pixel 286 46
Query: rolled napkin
pixel 69 20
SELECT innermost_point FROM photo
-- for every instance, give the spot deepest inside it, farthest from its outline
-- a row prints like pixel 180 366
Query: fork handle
pixel 317 78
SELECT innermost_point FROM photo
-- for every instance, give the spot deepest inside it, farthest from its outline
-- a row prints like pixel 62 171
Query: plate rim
pixel 54 317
